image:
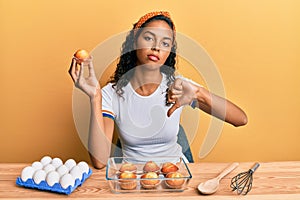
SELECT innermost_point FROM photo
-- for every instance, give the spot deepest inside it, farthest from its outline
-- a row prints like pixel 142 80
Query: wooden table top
pixel 272 180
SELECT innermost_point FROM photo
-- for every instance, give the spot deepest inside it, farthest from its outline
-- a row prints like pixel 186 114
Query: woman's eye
pixel 165 44
pixel 147 38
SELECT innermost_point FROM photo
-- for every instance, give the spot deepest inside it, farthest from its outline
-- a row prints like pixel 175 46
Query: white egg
pixel 52 178
pixel 70 163
pixel 49 168
pixel 46 160
pixel 57 162
pixel 39 176
pixel 76 173
pixel 67 180
pixel 62 170
pixel 37 165
pixel 27 173
pixel 84 167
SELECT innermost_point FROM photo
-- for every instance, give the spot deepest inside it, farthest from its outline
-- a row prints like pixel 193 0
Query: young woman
pixel 144 98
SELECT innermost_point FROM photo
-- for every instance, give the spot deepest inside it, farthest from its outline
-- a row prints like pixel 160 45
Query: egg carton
pixel 56 187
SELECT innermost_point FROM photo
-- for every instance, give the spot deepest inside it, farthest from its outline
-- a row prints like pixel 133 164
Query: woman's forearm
pixel 100 134
pixel 220 107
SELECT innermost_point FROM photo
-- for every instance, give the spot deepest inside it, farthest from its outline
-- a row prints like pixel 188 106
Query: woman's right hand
pixel 89 84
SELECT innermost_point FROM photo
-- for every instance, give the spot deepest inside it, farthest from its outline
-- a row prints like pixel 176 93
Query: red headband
pixel 144 18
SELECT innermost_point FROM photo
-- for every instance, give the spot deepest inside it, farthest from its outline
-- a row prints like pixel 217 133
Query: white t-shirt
pixel 145 130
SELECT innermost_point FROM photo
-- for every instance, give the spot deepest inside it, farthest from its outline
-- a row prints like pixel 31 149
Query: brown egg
pixel 81 55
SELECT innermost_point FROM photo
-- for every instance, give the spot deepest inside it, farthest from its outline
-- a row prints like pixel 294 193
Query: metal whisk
pixel 242 182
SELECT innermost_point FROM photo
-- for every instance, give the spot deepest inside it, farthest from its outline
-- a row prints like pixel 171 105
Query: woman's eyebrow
pixel 153 34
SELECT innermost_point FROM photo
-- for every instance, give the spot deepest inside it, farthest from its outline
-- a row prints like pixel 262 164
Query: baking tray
pixel 114 164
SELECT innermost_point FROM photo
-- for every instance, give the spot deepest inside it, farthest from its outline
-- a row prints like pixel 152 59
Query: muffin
pixel 153 181
pixel 128 167
pixel 168 167
pixel 127 180
pixel 174 180
pixel 151 166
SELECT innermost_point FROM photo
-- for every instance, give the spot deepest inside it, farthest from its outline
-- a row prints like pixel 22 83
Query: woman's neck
pixel 145 82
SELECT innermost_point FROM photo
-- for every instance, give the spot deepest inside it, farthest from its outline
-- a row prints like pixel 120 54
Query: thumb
pixel 172 109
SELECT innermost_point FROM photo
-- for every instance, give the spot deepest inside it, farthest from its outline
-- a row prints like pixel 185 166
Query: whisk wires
pixel 242 182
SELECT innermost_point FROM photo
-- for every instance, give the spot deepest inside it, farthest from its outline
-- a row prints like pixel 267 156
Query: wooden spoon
pixel 212 185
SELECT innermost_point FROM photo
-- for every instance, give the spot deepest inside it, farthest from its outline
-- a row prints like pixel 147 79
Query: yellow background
pixel 255 44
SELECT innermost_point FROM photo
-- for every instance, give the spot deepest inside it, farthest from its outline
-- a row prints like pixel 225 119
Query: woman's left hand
pixel 181 92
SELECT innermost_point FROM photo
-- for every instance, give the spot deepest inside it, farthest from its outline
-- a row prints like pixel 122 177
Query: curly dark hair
pixel 128 59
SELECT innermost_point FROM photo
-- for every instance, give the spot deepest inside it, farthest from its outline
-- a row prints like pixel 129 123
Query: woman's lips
pixel 153 57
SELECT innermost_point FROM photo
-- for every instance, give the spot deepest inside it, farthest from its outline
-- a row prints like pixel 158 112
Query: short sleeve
pixel 107 101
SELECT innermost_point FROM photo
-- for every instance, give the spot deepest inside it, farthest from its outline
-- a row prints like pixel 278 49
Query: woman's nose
pixel 155 46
